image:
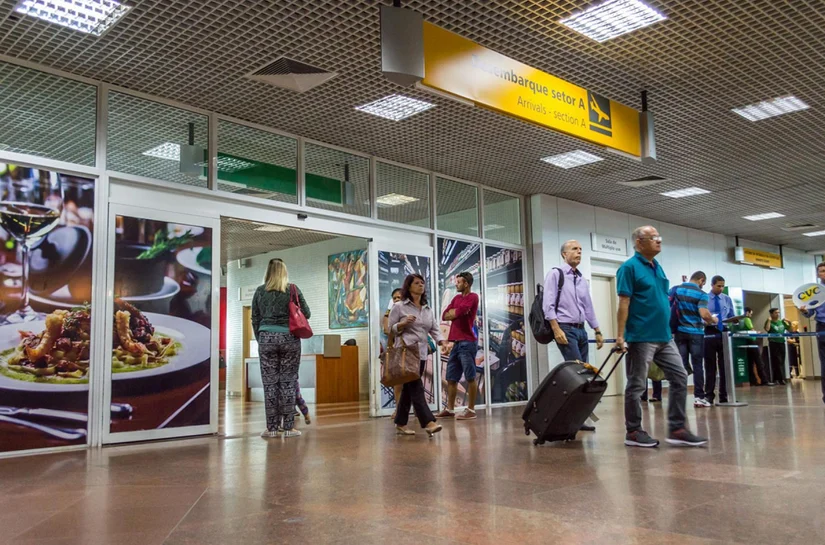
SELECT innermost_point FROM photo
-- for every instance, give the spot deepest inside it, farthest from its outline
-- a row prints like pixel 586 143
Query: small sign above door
pixel 608 245
pixel 246 293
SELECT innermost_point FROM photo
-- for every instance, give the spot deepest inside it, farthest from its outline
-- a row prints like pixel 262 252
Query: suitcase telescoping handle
pixel 612 351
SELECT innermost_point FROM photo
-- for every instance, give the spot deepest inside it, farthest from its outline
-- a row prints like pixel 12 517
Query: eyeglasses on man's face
pixel 656 238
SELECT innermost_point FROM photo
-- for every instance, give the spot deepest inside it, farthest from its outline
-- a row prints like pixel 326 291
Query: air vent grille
pixel 290 74
pixel 799 226
pixel 644 182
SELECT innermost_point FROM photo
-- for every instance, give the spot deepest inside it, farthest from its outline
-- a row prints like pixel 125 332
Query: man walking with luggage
pixel 567 306
pixel 462 312
pixel 691 307
pixel 643 319
pixel 720 306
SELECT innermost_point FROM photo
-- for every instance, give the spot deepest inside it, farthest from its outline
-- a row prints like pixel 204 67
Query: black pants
pixel 715 361
pixel 755 368
pixel 777 360
pixel 412 393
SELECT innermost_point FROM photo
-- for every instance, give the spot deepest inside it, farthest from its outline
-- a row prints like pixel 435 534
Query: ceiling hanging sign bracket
pixel 402 45
pixel 647 136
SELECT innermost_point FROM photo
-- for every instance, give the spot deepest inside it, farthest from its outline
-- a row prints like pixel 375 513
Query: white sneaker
pixel 266 434
pixel 292 433
pixel 700 403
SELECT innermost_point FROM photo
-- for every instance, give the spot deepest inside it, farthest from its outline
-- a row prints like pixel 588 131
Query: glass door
pixel 162 378
pixel 393 267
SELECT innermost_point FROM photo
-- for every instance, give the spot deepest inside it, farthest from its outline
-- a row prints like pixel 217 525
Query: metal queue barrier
pixel 727 344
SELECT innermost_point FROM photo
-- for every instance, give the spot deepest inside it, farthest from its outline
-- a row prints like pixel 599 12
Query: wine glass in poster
pixel 507 348
pixel 348 294
pixel 47 223
pixel 161 345
pixel 456 256
pixel 393 268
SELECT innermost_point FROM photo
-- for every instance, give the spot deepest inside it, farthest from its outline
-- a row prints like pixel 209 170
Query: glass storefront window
pixel 456 207
pixel 403 195
pixel 47 116
pixel 507 347
pixel 337 180
pixel 257 163
pixel 502 220
pixel 151 139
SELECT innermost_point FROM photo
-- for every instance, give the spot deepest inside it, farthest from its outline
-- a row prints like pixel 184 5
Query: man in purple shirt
pixel 568 310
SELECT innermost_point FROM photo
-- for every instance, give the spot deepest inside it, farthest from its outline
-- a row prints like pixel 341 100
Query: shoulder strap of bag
pixel 293 294
pixel 561 285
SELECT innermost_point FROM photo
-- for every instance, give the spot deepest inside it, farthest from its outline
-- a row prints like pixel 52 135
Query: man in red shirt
pixel 462 312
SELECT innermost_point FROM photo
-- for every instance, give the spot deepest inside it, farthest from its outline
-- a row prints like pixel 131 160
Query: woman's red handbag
pixel 298 324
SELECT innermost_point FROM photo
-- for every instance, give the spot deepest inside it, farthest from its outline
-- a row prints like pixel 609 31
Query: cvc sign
pixel 809 295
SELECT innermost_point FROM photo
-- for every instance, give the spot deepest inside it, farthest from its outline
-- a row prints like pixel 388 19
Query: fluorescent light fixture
pixel 613 18
pixel 771 108
pixel 171 152
pixel 395 107
pixel 394 199
pixel 273 229
pixel 493 227
pixel 168 151
pixel 814 234
pixel 572 159
pixel 766 216
pixel 93 17
pixel 687 192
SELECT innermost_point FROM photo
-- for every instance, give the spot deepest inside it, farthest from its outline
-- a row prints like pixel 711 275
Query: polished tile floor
pixel 761 480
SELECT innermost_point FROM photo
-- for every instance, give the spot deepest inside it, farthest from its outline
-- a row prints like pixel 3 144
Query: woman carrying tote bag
pixel 410 321
pixel 280 350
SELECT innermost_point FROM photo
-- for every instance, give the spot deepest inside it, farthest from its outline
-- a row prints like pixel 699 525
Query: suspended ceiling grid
pixel 707 58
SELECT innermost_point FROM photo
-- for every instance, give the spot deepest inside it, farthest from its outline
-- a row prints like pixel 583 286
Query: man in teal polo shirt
pixel 644 320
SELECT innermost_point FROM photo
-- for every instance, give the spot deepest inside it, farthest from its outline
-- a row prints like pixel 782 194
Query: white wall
pixel 308 270
pixel 684 251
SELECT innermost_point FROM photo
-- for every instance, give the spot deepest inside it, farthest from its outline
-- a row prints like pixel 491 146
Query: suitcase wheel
pixel 537 442
pixel 526 429
pixel 570 438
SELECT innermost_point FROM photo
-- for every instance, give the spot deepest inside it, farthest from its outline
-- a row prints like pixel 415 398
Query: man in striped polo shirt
pixel 692 315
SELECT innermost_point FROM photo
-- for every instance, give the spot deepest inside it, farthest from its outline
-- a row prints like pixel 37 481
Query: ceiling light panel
pixel 771 108
pixel 766 216
pixel 687 192
pixel 613 18
pixel 572 159
pixel 395 107
pixel 167 150
pixel 394 199
pixel 93 17
pixel 814 234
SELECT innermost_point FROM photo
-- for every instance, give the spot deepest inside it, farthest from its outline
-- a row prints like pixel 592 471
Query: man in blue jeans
pixel 462 312
pixel 692 315
pixel 568 309
pixel 644 319
pixel 819 313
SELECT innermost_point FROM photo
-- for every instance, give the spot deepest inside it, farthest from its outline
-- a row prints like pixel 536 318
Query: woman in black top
pixel 280 351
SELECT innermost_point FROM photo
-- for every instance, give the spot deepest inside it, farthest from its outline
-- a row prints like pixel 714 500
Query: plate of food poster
pixel 197 259
pixel 52 355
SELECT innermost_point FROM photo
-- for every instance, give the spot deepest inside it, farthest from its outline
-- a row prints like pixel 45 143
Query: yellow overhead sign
pixel 763 259
pixel 463 68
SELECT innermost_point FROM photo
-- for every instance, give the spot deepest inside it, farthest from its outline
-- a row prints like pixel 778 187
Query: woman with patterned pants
pixel 279 350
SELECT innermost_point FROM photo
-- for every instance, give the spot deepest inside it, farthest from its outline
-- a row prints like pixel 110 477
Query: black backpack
pixel 542 331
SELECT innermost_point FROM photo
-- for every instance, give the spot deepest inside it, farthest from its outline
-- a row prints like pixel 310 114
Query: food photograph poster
pixel 46 235
pixel 161 337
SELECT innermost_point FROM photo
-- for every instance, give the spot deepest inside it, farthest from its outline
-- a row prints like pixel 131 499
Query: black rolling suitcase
pixel 564 400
